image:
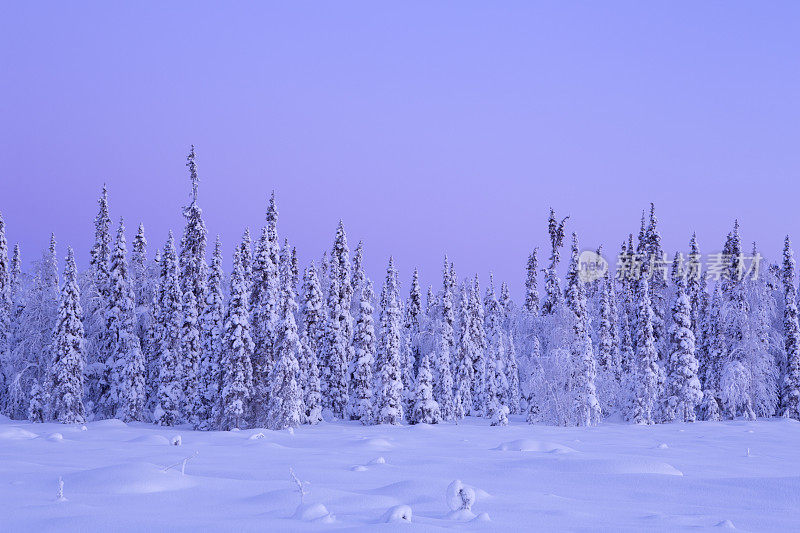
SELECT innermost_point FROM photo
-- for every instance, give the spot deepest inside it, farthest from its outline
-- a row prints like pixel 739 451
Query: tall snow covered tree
pixel 551 284
pixel 237 369
pixel 169 396
pixel 126 384
pixel 683 383
pixel 445 342
pixel 646 387
pixel 713 355
pixel 336 346
pixel 311 336
pixel 360 405
pixel 388 401
pixel 68 351
pixel 96 296
pixel 587 408
pixel 466 354
pixel 412 329
pixel 791 384
pixel 478 334
pixel 265 305
pixel 285 405
pixel 6 303
pixel 212 324
pixel 193 269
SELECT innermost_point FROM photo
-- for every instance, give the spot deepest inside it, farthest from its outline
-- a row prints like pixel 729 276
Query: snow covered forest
pixel 167 337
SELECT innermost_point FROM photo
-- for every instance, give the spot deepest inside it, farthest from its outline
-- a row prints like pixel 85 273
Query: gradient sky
pixel 430 127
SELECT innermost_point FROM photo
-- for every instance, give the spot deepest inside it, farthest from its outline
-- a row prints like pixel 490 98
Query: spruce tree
pixel 390 389
pixel 361 397
pixel 311 337
pixel 426 408
pixel 6 303
pixel 412 329
pixel 237 370
pixel 479 365
pixel 68 351
pixel 96 297
pixel 587 408
pixel 169 395
pixel 285 405
pixel 531 288
pixel 190 355
pixel 212 324
pixel 466 354
pixel 265 310
pixel 684 385
pixel 193 269
pixel 551 285
pixel 791 384
pixel 646 387
pixel 443 386
pixel 126 392
pixel 335 348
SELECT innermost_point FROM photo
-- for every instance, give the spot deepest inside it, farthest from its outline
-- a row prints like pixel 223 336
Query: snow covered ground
pixel 618 477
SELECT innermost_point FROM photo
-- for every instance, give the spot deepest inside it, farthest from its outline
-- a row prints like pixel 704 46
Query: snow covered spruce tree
pixel 68 351
pixel 360 406
pixel 426 408
pixel 683 383
pixel 791 384
pixel 169 396
pixel 586 406
pixel 443 385
pixel 193 278
pixel 551 284
pixel 285 404
pixel 212 323
pixel 466 354
pixel 237 369
pixel 311 338
pixel 713 356
pixel 264 302
pixel 95 295
pixel 412 330
pixel 531 286
pixel 646 387
pixel 6 310
pixel 389 390
pixel 478 334
pixel 126 392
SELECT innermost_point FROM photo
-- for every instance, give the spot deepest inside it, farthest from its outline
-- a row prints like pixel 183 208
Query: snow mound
pixel 16 433
pixel 629 466
pixel 256 436
pixel 662 446
pixel 726 524
pixel 313 512
pixel 374 444
pixel 55 437
pixel 128 478
pixel 483 517
pixel 378 461
pixel 155 440
pixel 397 514
pixel 528 445
pixel 461 515
pixel 359 468
pixel 109 423
pixel 176 440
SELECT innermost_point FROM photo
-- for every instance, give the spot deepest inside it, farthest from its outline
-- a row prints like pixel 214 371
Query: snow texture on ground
pixel 617 477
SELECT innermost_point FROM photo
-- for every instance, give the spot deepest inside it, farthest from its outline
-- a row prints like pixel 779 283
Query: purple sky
pixel 429 128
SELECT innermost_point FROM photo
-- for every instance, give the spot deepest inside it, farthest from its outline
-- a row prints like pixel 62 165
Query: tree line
pixel 171 339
